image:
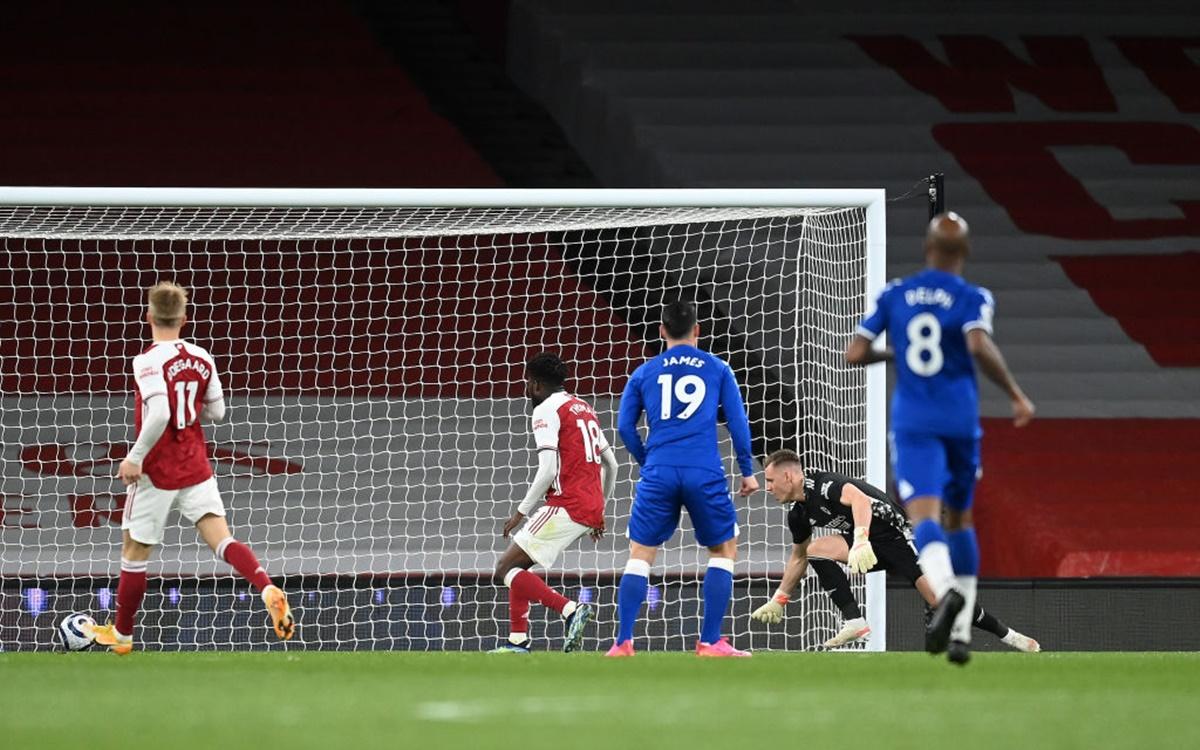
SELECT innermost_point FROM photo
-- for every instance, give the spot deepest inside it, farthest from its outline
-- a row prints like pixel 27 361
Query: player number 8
pixel 924 335
pixel 689 390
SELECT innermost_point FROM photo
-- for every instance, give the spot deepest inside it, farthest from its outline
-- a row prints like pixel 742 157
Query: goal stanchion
pixel 371 343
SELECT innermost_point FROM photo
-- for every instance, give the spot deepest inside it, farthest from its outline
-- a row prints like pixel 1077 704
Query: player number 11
pixel 185 403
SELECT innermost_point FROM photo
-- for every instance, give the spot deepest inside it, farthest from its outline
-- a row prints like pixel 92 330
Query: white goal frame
pixel 872 200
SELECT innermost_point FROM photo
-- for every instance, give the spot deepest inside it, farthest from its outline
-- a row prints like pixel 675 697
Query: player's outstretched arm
pixel 860 352
pixel 739 431
pixel 608 472
pixel 797 565
pixel 214 401
pixel 628 416
pixel 542 480
pixel 861 557
pixel 154 423
pixel 992 363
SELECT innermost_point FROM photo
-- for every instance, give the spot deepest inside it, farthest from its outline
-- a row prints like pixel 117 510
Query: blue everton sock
pixel 630 594
pixel 928 531
pixel 964 552
pixel 934 556
pixel 718 589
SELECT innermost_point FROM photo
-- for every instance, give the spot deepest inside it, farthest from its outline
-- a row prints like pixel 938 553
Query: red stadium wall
pixel 1089 497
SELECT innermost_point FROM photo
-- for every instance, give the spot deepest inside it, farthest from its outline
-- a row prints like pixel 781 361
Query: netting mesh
pixel 377 434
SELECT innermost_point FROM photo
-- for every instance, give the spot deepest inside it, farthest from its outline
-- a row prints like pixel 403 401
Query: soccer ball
pixel 75 631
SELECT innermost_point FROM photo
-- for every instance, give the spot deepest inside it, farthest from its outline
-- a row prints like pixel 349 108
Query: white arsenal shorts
pixel 547 533
pixel 146 507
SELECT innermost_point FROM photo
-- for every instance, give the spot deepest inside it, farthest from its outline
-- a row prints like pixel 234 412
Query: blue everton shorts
pixel 935 466
pixel 663 490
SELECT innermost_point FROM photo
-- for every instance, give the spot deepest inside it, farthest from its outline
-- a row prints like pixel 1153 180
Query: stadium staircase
pixel 1069 141
pixel 454 51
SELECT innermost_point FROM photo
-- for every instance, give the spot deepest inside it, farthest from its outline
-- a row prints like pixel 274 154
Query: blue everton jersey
pixel 927 316
pixel 682 391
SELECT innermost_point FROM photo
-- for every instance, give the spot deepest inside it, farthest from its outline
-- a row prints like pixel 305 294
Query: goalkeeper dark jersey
pixel 822 508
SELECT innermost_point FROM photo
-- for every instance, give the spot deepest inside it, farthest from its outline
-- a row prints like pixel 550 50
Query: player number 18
pixel 689 390
pixel 591 440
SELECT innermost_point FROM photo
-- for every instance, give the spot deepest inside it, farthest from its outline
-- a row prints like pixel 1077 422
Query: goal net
pixel 377 434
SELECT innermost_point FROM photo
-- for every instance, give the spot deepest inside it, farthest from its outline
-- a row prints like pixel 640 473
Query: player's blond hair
pixel 168 304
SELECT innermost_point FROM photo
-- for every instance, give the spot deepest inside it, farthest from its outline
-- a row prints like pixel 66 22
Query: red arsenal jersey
pixel 568 425
pixel 185 375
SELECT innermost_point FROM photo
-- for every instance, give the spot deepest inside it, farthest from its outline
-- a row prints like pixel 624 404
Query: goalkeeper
pixel 873 535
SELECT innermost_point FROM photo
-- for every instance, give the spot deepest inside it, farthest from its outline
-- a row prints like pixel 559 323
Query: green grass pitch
pixel 355 701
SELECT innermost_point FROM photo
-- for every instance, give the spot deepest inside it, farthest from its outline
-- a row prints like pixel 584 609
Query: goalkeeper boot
pixel 958 653
pixel 281 613
pixel 575 624
pixel 719 649
pixel 107 635
pixel 625 648
pixel 937 632
pixel 1021 642
pixel 851 631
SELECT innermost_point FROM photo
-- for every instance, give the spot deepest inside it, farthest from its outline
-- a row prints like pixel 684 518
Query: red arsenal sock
pixel 518 613
pixel 130 590
pixel 244 562
pixel 529 586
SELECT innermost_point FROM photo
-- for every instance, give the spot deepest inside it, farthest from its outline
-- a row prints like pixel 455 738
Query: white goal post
pixel 371 343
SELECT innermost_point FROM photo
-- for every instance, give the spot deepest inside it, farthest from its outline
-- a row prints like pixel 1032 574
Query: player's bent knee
pixel 921 508
pixel 832 547
pixel 958 519
pixel 643 552
pixel 132 549
pixel 725 549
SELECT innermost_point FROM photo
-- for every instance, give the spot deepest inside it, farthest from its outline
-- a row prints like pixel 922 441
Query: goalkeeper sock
pixel 834 581
pixel 718 589
pixel 244 562
pixel 630 594
pixel 131 588
pixel 986 621
pixel 531 587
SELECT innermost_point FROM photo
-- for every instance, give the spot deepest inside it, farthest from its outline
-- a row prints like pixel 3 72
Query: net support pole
pixel 876 420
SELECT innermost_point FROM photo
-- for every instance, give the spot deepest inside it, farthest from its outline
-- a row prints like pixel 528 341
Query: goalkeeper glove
pixel 771 612
pixel 862 556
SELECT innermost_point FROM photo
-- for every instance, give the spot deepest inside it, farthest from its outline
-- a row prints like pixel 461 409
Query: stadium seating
pixel 259 94
pixel 1066 143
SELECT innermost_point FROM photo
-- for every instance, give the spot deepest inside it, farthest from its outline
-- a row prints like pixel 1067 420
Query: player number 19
pixel 924 335
pixel 689 390
pixel 185 403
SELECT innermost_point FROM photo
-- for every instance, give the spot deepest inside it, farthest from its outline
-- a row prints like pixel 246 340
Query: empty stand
pixel 1069 142
pixel 228 94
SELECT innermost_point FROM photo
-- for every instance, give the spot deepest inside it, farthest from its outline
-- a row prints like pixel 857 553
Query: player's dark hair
pixel 679 318
pixel 783 456
pixel 548 369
